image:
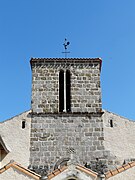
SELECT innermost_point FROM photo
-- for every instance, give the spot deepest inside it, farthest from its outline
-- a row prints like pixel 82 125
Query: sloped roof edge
pixel 115 114
pixel 108 174
pixel 56 172
pixel 119 169
pixel 20 168
pixel 86 170
pixel 78 167
pixel 11 118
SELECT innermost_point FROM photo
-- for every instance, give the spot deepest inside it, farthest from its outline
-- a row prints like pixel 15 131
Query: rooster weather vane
pixel 66 44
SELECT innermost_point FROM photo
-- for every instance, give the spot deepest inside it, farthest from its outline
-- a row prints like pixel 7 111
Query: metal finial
pixel 66 44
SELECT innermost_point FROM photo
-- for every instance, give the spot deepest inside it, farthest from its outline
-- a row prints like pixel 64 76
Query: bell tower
pixel 66 85
pixel 66 113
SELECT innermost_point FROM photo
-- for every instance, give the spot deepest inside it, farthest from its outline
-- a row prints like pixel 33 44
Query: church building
pixel 67 135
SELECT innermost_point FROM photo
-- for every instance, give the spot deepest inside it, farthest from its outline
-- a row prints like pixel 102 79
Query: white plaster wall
pixel 16 139
pixel 129 174
pixel 120 139
pixel 13 174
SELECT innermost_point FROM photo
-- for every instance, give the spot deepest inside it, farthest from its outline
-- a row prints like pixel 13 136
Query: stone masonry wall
pixel 85 84
pixel 54 137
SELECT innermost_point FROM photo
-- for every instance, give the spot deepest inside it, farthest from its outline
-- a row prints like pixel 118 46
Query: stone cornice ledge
pixel 68 114
pixel 54 61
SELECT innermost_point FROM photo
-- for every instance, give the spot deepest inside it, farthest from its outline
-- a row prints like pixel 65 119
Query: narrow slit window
pixel 61 90
pixel 111 123
pixel 23 124
pixel 68 91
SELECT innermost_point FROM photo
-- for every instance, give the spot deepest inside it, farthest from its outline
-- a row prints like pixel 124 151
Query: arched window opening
pixel 68 92
pixel 61 91
pixel 23 124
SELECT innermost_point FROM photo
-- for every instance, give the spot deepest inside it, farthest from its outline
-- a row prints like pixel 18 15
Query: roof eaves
pixel 40 59
pixel 82 60
pixel 56 172
pixel 78 167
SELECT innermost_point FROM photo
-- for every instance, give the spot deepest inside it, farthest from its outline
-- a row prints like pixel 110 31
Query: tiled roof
pixel 66 59
pixel 120 169
pixel 92 173
pixel 20 168
pixel 78 167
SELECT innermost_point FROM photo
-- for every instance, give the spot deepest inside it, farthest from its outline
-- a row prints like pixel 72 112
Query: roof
pixel 66 60
pixel 20 168
pixel 92 173
pixel 77 167
pixel 86 170
pixel 119 169
pixel 56 172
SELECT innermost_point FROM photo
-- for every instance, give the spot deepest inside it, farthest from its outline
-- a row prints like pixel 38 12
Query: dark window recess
pixel 68 91
pixel 111 123
pixel 23 124
pixel 61 90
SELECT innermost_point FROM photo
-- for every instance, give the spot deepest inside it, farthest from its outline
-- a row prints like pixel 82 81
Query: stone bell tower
pixel 66 113
pixel 66 85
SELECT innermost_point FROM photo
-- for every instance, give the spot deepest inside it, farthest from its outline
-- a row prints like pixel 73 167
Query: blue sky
pixel 95 28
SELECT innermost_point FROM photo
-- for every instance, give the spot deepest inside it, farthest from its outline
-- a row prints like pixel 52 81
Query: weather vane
pixel 66 44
